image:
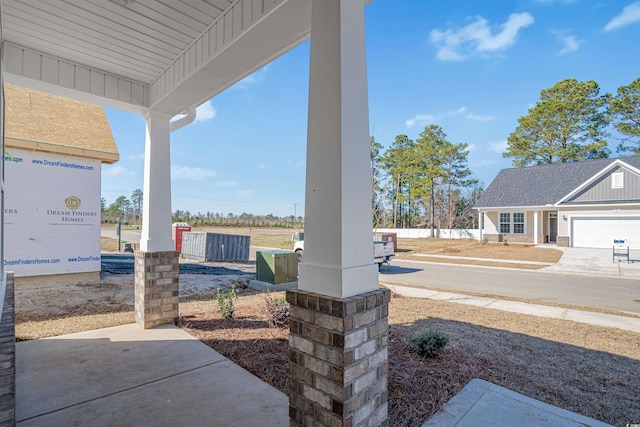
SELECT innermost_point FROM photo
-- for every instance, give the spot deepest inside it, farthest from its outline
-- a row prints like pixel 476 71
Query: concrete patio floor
pixel 128 376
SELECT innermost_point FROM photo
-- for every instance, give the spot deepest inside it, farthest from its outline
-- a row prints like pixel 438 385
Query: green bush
pixel 428 342
pixel 278 311
pixel 226 301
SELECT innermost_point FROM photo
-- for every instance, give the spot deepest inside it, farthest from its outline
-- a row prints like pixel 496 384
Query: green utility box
pixel 276 266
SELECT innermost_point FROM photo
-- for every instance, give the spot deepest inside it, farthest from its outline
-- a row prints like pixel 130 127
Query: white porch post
pixel 156 203
pixel 156 267
pixel 536 226
pixel 480 225
pixel 338 256
pixel 338 318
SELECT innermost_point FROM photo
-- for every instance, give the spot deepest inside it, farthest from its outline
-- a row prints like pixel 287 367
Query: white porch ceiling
pixel 166 55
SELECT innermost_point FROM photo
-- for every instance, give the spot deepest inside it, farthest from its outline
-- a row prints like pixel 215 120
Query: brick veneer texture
pixel 562 241
pixel 338 359
pixel 156 288
pixel 8 358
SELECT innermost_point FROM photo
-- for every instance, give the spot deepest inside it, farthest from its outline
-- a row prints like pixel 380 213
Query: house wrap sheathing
pixel 54 148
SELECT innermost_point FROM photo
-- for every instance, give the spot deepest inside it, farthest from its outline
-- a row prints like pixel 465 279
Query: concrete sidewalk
pixel 481 403
pixel 128 376
pixel 600 319
pixel 573 260
pixel 597 262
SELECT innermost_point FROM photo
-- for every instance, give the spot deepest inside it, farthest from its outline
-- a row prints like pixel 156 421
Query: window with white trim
pixel 617 180
pixel 505 223
pixel 518 223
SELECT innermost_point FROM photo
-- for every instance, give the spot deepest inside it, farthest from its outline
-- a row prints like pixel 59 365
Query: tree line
pixel 129 211
pixel 421 183
pixel 426 182
pixel 573 122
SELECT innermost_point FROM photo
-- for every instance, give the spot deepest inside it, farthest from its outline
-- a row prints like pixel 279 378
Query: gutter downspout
pixel 188 118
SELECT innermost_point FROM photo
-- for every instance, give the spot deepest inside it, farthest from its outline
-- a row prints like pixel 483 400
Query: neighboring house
pixel 54 148
pixel 581 204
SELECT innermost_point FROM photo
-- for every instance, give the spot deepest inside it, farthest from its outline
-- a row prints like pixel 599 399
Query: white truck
pixel 383 252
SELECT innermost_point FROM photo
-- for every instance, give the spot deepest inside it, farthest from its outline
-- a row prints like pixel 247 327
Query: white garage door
pixel 600 232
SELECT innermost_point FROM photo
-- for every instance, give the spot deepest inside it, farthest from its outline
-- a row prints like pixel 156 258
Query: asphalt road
pixel 587 291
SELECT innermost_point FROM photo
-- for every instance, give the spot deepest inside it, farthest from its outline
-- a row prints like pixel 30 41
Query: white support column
pixel 536 226
pixel 480 225
pixel 338 258
pixel 156 217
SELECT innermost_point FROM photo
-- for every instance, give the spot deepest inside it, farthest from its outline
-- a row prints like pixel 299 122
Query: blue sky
pixel 472 67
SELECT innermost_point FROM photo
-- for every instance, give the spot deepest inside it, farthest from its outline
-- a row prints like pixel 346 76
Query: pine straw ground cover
pixel 586 369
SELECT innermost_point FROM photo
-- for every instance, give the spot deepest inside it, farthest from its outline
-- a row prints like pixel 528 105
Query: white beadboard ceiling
pixel 168 55
pixel 136 41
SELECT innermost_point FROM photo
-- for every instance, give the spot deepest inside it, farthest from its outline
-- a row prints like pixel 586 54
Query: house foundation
pixel 156 288
pixel 338 359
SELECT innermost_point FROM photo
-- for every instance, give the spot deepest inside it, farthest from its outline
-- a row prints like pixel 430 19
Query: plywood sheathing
pixel 40 121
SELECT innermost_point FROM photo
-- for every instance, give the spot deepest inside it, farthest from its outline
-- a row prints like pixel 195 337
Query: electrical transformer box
pixel 276 266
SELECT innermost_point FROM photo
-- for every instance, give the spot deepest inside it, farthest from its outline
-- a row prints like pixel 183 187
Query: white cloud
pixel 254 78
pixel 117 170
pixel 225 184
pixel 569 42
pixel 420 119
pixel 629 15
pixel 479 117
pixel 205 112
pixel 261 165
pixel 246 193
pixel 471 147
pixel 458 44
pixel 459 111
pixel 137 156
pixel 498 146
pixel 193 174
pixel 295 165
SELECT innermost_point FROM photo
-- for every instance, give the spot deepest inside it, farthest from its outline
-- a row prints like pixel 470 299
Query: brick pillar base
pixel 8 358
pixel 156 288
pixel 338 359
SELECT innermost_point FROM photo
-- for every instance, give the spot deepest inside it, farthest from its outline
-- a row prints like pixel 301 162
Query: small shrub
pixel 278 311
pixel 485 240
pixel 226 301
pixel 505 242
pixel 428 342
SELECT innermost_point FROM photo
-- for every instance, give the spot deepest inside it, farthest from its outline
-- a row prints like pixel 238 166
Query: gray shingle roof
pixel 542 185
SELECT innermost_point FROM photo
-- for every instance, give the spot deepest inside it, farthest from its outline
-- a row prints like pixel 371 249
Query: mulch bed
pixel 582 368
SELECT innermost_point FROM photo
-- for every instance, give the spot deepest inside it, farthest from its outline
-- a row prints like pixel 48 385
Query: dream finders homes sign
pixel 51 213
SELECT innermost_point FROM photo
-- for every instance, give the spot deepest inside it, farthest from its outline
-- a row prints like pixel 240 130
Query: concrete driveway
pixel 597 261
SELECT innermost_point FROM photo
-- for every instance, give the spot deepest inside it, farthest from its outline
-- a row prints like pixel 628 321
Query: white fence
pixel 415 233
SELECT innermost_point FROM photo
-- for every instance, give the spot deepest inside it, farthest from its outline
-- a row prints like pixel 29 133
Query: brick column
pixel 8 358
pixel 156 288
pixel 338 359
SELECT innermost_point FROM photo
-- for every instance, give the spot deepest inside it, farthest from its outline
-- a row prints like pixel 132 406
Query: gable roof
pixel 543 185
pixel 40 121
